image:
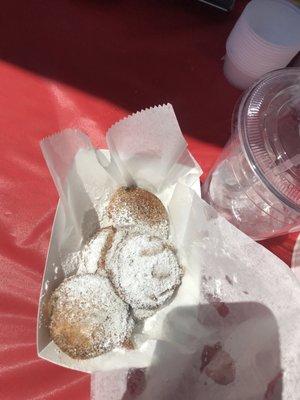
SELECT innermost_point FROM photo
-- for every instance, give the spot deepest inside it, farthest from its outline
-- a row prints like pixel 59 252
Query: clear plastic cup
pixel 256 182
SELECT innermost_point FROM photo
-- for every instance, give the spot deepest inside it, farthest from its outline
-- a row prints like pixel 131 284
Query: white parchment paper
pixel 233 329
pixel 296 259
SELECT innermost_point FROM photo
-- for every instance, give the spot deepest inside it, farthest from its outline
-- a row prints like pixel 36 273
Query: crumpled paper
pixel 233 329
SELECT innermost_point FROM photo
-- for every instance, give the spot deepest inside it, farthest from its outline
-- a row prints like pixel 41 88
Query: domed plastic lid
pixel 269 125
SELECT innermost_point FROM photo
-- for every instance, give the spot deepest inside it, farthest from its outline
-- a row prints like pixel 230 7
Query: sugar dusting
pixel 88 318
pixel 101 209
pixel 142 313
pixel 86 261
pixel 144 270
pixel 138 211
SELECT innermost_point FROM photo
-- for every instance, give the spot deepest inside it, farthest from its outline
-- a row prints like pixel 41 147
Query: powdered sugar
pixel 138 211
pixel 101 209
pixel 124 220
pixel 142 313
pixel 92 315
pixel 86 261
pixel 88 318
pixel 144 270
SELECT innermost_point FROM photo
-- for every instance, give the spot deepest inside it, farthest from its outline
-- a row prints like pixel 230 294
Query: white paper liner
pixel 235 296
pixel 249 304
pixel 85 178
pixel 296 259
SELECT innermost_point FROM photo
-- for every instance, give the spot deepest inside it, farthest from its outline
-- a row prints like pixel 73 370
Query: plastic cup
pixel 274 23
pixel 256 182
pixel 235 75
pixel 242 41
pixel 265 37
pixel 248 37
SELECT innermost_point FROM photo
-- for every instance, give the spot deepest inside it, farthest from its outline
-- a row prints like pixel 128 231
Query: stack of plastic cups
pixel 266 37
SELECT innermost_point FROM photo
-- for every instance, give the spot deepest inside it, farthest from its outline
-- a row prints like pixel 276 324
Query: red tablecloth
pixel 87 64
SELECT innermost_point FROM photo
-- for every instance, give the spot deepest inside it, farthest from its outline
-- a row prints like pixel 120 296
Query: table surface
pixel 87 64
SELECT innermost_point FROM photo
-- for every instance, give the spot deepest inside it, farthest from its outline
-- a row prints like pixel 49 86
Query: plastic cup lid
pixel 253 64
pixel 244 38
pixel 236 76
pixel 248 35
pixel 251 56
pixel 269 127
pixel 274 21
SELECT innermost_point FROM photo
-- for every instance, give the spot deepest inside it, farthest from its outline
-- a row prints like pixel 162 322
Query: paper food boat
pixel 237 302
